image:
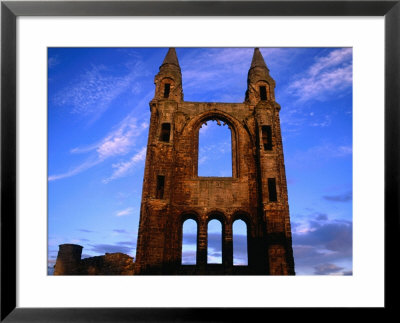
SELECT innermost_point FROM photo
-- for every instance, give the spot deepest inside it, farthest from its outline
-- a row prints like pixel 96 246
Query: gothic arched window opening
pixel 215 149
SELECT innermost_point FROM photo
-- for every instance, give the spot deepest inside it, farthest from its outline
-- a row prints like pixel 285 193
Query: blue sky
pixel 98 119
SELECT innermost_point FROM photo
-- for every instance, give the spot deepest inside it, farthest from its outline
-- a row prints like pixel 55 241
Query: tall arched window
pixel 240 256
pixel 215 149
pixel 214 242
pixel 189 242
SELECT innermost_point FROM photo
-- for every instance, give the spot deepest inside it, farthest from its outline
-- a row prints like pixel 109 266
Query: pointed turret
pixel 168 81
pixel 258 60
pixel 171 58
pixel 260 85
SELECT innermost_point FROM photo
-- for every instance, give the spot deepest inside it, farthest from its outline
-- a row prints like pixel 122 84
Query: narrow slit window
pixel 267 137
pixel 263 93
pixel 160 187
pixel 165 132
pixel 272 190
pixel 167 88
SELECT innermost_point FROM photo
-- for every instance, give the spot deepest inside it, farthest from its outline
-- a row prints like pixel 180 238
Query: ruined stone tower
pixel 173 192
pixel 68 259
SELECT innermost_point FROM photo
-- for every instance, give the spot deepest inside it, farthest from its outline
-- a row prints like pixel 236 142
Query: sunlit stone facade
pixel 173 192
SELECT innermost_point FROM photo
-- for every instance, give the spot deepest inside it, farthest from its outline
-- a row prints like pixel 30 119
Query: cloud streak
pixel 94 90
pixel 116 143
pixel 329 75
pixel 346 197
pixel 76 170
pixel 328 78
pixel 122 169
pixel 124 212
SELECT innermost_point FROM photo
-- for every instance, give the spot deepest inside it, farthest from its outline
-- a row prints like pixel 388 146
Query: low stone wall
pixel 69 262
pixel 109 264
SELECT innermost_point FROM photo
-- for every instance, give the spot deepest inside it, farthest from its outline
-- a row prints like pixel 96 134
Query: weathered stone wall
pixel 109 264
pixel 244 196
pixel 69 262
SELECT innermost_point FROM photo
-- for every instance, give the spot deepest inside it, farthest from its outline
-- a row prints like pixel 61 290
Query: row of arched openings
pixel 214 242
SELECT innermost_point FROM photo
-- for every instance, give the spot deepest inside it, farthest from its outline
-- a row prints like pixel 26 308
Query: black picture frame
pixel 10 10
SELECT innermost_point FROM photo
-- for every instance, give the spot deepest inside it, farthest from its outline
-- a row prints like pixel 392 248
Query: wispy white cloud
pixel 119 141
pixel 124 168
pixel 94 90
pixel 76 170
pixel 124 212
pixel 116 143
pixel 329 75
pixel 333 59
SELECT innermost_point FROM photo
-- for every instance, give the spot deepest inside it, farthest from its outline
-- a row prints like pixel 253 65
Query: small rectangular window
pixel 160 187
pixel 167 87
pixel 272 190
pixel 165 132
pixel 263 93
pixel 267 137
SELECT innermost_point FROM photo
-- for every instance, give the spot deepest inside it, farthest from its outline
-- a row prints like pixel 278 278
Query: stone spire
pixel 171 58
pixel 260 85
pixel 168 81
pixel 258 60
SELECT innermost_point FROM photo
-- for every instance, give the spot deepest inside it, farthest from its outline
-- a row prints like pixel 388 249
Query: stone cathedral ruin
pixel 173 192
